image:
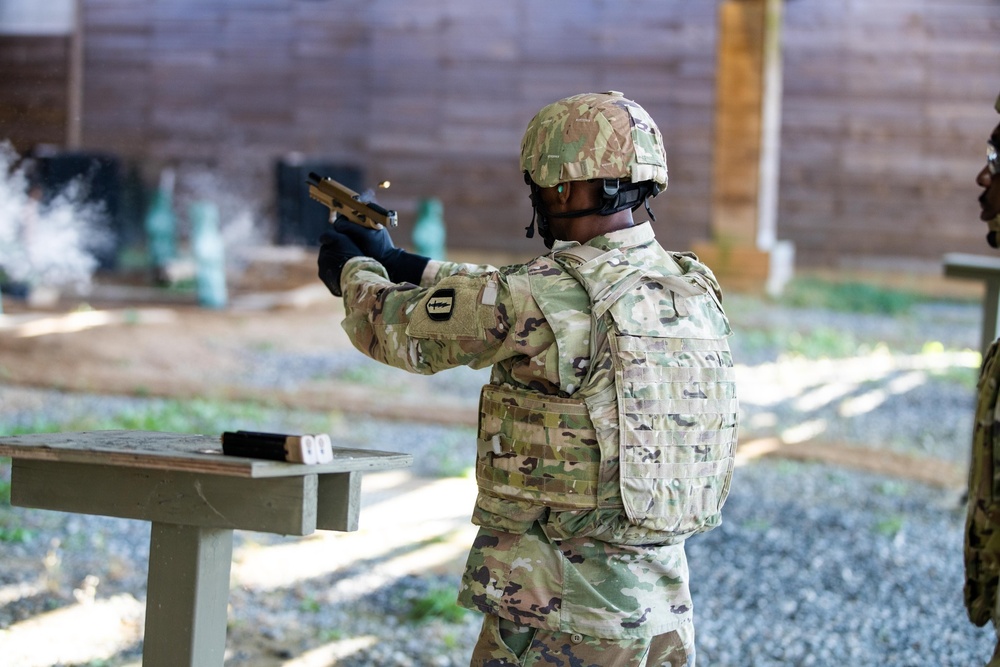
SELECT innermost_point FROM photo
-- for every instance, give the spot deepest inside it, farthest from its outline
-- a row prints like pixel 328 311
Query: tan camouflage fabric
pixel 651 423
pixel 542 449
pixel 593 135
pixel 982 526
pixel 578 570
pixel 545 649
pixel 662 389
pixel 577 584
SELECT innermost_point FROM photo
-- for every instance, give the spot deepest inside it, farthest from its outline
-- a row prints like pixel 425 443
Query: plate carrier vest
pixel 652 428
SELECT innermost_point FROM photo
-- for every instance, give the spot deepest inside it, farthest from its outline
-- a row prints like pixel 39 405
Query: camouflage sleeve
pixel 437 271
pixel 982 523
pixel 461 319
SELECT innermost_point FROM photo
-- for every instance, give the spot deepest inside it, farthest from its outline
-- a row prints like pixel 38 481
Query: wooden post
pixel 187 594
pixel 744 250
pixel 74 79
pixel 739 92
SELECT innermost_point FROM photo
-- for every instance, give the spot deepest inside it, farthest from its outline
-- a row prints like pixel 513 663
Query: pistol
pixel 341 200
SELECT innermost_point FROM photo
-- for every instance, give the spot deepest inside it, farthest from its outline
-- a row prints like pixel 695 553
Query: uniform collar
pixel 638 234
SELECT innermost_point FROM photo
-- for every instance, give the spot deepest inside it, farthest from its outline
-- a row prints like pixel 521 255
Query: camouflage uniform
pixel 608 428
pixel 982 537
pixel 982 527
pixel 579 570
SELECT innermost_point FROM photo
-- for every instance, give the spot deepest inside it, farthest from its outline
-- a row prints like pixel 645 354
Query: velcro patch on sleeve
pixel 449 312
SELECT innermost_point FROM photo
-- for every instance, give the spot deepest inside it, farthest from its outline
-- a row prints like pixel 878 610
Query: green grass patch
pixel 892 488
pixel 822 343
pixel 310 605
pixel 194 416
pixel 371 375
pixel 850 297
pixel 14 534
pixel 757 525
pixel 177 416
pixel 818 343
pixel 328 635
pixel 437 603
pixel 966 378
pixel 890 526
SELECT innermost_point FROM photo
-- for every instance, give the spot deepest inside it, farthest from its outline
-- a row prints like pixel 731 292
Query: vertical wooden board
pixel 738 122
pixel 339 501
pixel 187 596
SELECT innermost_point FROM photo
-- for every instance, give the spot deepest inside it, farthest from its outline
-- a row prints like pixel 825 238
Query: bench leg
pixel 187 594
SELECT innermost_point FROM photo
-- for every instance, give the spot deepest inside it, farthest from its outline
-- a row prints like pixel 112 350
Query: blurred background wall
pixel 886 105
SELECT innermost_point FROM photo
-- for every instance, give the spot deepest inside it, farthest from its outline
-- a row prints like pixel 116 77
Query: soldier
pixel 987 179
pixel 982 537
pixel 608 429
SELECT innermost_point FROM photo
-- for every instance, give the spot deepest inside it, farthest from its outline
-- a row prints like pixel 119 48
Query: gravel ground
pixel 813 565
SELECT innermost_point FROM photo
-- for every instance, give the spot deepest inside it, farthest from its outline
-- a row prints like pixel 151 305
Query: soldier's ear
pixel 563 192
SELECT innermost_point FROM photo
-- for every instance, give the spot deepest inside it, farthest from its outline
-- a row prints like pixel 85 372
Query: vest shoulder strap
pixel 582 253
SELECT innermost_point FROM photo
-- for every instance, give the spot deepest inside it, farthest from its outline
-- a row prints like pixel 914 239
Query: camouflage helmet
pixel 593 135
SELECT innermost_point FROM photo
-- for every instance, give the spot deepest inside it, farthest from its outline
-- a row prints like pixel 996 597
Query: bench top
pixel 182 452
pixel 965 265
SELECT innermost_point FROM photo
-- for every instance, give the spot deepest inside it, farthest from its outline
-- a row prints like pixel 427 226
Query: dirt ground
pixel 147 342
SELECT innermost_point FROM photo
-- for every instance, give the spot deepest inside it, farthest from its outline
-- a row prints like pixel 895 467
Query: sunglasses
pixel 992 159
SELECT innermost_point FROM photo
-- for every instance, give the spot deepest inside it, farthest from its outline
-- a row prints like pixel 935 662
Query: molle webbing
pixel 674 384
pixel 678 432
pixel 650 429
pixel 540 448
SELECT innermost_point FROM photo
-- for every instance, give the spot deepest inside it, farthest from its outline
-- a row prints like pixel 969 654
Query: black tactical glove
pixel 334 251
pixel 402 266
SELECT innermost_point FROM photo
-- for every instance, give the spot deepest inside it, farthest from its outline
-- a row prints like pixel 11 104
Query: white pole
pixel 770 153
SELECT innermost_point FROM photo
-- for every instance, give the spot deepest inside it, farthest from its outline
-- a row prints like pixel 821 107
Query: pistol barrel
pixel 341 200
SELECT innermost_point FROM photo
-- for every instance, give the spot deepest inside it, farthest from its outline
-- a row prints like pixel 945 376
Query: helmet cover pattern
pixel 593 135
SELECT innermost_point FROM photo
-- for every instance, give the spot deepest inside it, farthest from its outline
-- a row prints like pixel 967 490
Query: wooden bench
pixel 986 269
pixel 195 497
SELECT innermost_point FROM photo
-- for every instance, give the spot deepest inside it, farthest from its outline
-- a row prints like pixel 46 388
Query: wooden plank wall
pixel 431 95
pixel 497 64
pixel 887 103
pixel 34 85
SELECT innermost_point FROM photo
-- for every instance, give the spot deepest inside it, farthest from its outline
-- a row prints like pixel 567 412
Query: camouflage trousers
pixel 501 644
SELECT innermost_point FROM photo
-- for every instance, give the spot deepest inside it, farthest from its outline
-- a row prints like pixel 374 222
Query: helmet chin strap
pixel 615 197
pixel 540 213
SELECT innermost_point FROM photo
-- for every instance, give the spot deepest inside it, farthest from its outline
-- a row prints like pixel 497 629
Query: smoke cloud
pixel 50 243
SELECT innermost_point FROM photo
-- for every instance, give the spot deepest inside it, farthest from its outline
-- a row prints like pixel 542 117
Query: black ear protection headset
pixel 616 195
